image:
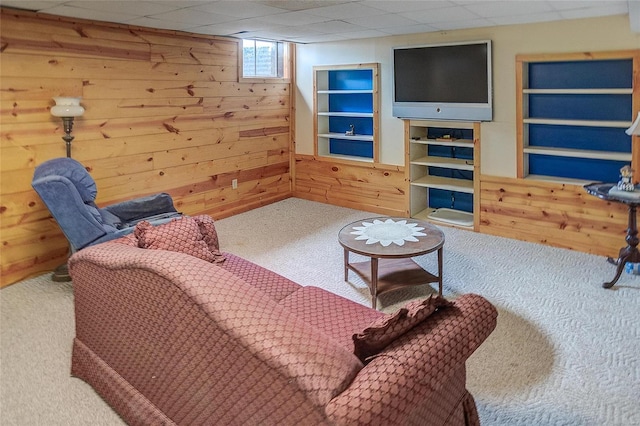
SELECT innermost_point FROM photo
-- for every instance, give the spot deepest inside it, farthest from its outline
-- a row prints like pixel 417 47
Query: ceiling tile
pixel 97 15
pixel 347 10
pixel 493 9
pixel 301 5
pixel 239 9
pixel 408 6
pixel 159 23
pixel 364 34
pixel 447 14
pixel 527 19
pixel 459 25
pixel 382 21
pixel 335 26
pixel 31 5
pixel 140 8
pixel 603 9
pixel 294 18
pixel 409 29
pixel 192 16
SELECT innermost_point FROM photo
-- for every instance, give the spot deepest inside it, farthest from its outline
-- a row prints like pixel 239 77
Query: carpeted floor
pixel 565 351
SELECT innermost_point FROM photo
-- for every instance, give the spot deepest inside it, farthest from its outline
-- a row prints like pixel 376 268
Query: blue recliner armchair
pixel 69 192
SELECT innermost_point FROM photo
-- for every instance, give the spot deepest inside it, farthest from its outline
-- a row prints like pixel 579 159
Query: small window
pixel 264 59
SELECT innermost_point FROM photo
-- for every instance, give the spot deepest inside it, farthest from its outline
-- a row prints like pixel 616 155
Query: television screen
pixel 447 81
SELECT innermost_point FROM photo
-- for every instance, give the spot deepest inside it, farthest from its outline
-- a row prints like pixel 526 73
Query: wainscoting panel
pixel 375 188
pixel 559 215
pixel 164 112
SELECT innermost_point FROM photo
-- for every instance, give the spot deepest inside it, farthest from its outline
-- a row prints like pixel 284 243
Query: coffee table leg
pixel 346 265
pixel 374 282
pixel 440 271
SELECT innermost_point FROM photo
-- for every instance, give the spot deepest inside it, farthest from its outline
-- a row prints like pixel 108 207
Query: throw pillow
pixel 208 231
pixel 384 330
pixel 181 235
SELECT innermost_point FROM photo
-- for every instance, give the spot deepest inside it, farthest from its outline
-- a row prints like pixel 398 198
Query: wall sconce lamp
pixel 67 109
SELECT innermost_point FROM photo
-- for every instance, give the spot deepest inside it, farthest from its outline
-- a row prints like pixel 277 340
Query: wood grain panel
pixel 379 189
pixel 164 113
pixel 33 66
pixel 111 89
pixel 72 45
pixel 560 215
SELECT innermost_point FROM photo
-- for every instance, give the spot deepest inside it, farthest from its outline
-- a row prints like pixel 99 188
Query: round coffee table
pixel 390 243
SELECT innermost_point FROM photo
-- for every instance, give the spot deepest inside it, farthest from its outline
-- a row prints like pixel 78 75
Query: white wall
pixel 498 149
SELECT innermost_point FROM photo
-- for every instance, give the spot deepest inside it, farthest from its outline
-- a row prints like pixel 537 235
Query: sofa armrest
pixel 398 381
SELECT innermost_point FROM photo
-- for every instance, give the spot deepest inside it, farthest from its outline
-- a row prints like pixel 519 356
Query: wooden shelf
pixel 346 114
pixel 368 138
pixel 348 157
pixel 426 213
pixel 578 153
pixel 584 123
pixel 623 91
pixel 344 92
pixel 444 162
pixel 447 184
pixel 461 143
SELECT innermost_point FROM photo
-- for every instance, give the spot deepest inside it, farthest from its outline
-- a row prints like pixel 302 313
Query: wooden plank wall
pixel 164 112
pixel 381 189
pixel 559 215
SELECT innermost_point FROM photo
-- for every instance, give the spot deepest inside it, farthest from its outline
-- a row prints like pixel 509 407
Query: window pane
pixel 263 59
pixel 248 58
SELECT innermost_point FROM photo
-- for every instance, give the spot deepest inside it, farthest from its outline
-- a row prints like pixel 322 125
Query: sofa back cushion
pixel 335 316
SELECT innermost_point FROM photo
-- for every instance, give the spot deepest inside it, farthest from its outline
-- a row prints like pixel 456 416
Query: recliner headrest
pixel 72 170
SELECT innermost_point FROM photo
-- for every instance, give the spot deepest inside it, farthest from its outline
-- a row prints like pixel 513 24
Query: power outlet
pixel 234 184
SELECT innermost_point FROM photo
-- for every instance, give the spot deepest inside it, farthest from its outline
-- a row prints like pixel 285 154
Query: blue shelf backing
pixel 440 198
pixel 575 168
pixel 353 148
pixel 351 102
pixel 451 173
pixel 439 132
pixel 450 152
pixel 597 74
pixel 362 126
pixel 351 79
pixel 581 106
pixel 579 137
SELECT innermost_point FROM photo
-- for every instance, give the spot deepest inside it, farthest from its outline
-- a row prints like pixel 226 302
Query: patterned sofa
pixel 167 338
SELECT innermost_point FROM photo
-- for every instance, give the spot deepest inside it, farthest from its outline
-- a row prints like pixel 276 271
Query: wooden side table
pixel 390 243
pixel 630 253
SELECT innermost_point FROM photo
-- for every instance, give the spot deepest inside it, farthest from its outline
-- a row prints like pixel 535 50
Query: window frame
pixel 286 64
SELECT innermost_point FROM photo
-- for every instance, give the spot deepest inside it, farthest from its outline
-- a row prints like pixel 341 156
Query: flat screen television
pixel 443 81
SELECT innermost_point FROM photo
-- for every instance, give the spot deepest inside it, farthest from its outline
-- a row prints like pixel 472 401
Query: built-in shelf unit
pixel 443 164
pixel 346 100
pixel 572 113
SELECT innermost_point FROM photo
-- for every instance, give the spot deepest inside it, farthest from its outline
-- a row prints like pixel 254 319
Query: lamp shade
pixel 67 107
pixel 635 127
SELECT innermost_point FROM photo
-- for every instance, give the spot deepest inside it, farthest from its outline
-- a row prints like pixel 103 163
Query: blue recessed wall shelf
pixel 346 100
pixel 444 163
pixel 572 115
